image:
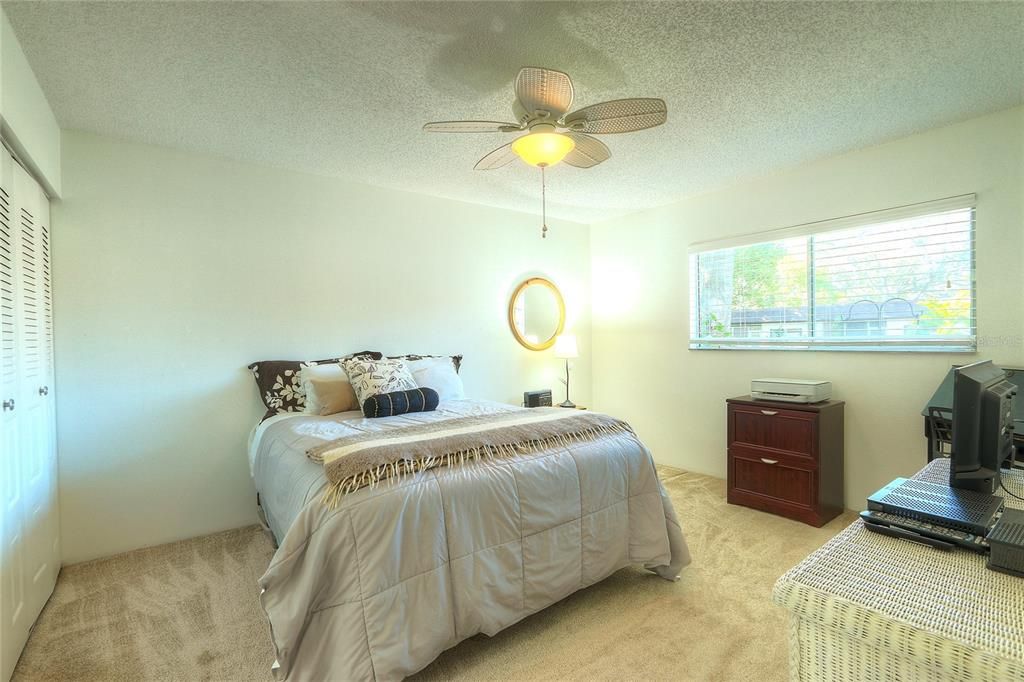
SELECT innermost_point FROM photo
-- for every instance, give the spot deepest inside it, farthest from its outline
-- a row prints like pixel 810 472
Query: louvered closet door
pixel 30 524
pixel 16 619
pixel 48 399
pixel 34 411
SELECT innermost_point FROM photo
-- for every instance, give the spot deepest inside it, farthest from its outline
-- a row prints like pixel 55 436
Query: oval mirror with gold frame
pixel 536 313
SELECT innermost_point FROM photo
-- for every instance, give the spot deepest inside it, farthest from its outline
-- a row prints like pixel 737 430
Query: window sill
pixel 836 347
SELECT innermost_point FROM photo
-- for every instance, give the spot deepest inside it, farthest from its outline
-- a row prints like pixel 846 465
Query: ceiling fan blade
pixel 547 90
pixel 500 157
pixel 618 116
pixel 470 127
pixel 588 152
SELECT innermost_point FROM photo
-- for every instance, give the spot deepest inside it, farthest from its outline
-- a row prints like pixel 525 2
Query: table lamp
pixel 565 348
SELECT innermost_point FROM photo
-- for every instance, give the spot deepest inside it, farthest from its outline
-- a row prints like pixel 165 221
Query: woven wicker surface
pixel 942 609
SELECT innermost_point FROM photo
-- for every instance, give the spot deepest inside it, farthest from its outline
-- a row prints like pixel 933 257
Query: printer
pixel 791 390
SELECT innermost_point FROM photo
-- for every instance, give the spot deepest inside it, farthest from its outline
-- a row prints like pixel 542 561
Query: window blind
pixel 960 201
pixel 901 279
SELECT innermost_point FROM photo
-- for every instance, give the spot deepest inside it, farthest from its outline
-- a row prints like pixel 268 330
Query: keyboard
pixel 957 538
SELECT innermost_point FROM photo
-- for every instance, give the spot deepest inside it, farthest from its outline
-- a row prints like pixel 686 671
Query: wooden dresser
pixel 787 458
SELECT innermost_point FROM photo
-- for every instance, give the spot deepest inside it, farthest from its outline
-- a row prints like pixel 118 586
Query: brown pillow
pixel 333 396
pixel 279 383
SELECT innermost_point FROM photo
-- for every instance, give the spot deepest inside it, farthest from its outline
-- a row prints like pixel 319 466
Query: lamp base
pixel 567 403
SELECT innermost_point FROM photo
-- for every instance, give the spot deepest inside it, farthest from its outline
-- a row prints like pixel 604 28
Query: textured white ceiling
pixel 343 88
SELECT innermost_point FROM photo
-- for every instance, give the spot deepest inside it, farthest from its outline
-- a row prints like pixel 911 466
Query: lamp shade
pixel 543 149
pixel 565 346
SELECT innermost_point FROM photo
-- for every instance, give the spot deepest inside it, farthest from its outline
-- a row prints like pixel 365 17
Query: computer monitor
pixel 982 426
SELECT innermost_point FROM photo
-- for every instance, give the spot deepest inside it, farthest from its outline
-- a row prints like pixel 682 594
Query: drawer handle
pixel 769 461
pixel 9 405
pixel 770 413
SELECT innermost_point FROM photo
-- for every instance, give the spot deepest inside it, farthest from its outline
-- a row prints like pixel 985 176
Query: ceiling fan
pixel 543 98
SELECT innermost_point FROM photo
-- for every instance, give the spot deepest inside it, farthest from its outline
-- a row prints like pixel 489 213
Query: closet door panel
pixel 32 412
pixel 48 434
pixel 13 594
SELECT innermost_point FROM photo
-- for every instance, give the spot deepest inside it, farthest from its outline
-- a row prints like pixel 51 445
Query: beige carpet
pixel 189 611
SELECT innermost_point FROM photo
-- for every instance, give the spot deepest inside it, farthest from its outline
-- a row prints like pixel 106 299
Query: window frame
pixel 935 344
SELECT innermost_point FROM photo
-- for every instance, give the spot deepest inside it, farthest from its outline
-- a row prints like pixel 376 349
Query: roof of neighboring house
pixel 893 309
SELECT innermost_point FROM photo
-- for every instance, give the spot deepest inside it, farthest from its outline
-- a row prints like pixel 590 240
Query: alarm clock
pixel 537 398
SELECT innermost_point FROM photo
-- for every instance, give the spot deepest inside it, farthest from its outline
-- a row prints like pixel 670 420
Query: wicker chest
pixel 870 607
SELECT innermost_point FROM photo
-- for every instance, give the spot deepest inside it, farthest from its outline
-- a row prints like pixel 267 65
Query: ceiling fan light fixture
pixel 543 149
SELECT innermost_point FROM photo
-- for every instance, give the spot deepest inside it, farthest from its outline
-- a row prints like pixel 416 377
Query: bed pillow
pixel 456 359
pixel 326 396
pixel 370 377
pixel 439 374
pixel 280 383
pixel 401 402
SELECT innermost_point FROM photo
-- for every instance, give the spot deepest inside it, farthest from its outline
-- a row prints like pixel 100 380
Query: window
pixel 890 280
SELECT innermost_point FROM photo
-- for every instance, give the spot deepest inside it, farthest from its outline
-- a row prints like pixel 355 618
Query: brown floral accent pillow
pixel 280 385
pixel 456 359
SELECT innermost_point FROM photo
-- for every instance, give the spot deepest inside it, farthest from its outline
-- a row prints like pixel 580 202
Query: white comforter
pixel 378 587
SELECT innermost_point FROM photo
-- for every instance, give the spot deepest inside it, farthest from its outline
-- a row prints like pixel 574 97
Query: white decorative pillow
pixel 327 389
pixel 374 377
pixel 438 374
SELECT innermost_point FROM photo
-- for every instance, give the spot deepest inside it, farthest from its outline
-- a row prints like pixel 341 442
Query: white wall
pixel 173 271
pixel 675 397
pixel 26 121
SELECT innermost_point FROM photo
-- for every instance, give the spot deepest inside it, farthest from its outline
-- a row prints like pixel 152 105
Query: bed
pixel 380 583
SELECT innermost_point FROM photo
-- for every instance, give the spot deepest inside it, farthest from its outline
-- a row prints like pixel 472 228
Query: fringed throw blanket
pixel 360 460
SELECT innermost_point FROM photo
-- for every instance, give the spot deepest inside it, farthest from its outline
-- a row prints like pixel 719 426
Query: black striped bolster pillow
pixel 400 402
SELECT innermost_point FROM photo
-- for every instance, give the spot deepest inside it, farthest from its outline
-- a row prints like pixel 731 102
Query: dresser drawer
pixel 773 429
pixel 777 479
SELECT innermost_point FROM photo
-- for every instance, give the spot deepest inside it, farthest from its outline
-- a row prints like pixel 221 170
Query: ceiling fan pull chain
pixel 543 204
